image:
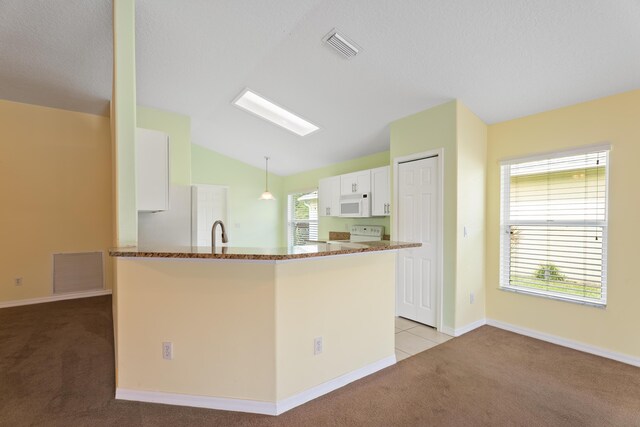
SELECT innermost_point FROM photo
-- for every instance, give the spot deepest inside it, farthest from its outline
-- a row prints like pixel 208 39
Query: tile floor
pixel 413 338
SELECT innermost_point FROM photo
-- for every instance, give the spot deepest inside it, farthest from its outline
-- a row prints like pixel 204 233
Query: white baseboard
pixel 463 330
pixel 221 403
pixel 52 298
pixel 254 406
pixel 468 328
pixel 620 357
pixel 447 330
pixel 298 399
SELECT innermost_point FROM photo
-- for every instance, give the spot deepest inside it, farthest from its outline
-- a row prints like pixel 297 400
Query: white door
pixel 209 205
pixel 418 209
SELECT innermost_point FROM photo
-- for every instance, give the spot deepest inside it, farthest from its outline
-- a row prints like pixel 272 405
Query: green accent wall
pixel 425 131
pixel 178 127
pixel 309 180
pixel 123 113
pixel 252 222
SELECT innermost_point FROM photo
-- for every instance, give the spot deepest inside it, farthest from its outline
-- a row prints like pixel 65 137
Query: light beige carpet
pixel 56 369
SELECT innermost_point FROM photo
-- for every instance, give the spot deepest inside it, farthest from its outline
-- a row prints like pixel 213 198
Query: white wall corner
pixel 564 342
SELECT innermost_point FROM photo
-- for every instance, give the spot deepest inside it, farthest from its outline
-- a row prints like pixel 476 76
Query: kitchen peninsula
pixel 252 329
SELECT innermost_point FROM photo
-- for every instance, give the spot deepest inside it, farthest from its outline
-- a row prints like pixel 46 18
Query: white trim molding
pixel 447 330
pixel 220 403
pixel 298 399
pixel 456 332
pixel 554 339
pixel 254 406
pixel 470 327
pixel 53 298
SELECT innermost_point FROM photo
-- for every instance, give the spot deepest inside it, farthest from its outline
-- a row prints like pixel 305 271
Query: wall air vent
pixel 77 272
pixel 342 44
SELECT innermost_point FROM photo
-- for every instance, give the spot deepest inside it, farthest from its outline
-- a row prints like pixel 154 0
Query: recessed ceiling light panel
pixel 342 44
pixel 263 108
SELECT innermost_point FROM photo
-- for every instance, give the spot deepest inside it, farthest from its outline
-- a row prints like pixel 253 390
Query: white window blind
pixel 554 226
pixel 302 218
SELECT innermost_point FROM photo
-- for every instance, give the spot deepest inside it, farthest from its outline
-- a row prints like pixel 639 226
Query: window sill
pixel 554 297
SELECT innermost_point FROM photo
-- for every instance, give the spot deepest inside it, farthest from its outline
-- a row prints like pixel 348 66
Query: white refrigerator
pixel 192 211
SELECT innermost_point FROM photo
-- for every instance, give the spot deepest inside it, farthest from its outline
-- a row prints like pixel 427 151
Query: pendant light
pixel 267 194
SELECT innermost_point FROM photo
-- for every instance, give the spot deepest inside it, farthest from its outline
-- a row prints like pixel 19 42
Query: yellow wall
pixel 245 330
pixel 470 265
pixel 55 193
pixel 347 300
pixel 615 120
pixel 219 315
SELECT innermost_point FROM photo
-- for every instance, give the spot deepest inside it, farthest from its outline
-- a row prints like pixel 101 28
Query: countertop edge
pixel 141 253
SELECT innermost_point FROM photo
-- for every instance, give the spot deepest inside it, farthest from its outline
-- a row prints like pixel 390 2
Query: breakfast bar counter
pixel 251 329
pixel 260 253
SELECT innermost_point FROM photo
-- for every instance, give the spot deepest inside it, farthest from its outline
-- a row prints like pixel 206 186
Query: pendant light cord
pixel 266 174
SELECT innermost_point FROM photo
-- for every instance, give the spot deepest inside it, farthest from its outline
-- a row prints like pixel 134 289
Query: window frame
pixel 506 224
pixel 290 221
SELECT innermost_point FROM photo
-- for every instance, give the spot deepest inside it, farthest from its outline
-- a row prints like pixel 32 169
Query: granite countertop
pixel 272 254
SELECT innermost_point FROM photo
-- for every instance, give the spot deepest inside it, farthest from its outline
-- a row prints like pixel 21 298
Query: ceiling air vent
pixel 342 44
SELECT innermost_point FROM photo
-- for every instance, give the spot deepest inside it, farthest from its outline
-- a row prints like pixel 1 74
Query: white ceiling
pixel 502 58
pixel 57 53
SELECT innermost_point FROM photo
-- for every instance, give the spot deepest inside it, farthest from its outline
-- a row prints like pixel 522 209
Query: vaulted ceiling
pixel 502 58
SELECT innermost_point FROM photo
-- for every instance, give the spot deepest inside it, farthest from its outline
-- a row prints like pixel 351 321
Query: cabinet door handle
pixel 356 186
pixel 385 208
pixel 328 211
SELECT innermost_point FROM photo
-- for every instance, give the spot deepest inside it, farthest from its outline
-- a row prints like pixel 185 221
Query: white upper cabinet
pixel 355 183
pixel 152 170
pixel 329 196
pixel 380 192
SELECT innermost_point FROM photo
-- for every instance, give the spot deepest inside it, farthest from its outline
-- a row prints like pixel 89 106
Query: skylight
pixel 261 107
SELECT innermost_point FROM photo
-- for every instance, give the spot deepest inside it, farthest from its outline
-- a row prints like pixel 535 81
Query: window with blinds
pixel 302 218
pixel 554 225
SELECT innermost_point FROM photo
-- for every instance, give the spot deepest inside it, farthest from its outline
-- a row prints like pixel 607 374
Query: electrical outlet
pixel 18 281
pixel 317 346
pixel 167 350
pixel 472 298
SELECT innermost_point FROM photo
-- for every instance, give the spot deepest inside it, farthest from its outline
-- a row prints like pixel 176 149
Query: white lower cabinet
pixel 329 196
pixel 152 170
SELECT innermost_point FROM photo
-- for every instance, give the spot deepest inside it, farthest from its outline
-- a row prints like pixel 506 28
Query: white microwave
pixel 355 205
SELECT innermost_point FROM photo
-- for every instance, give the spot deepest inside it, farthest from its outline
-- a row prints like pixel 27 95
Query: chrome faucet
pixel 213 233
